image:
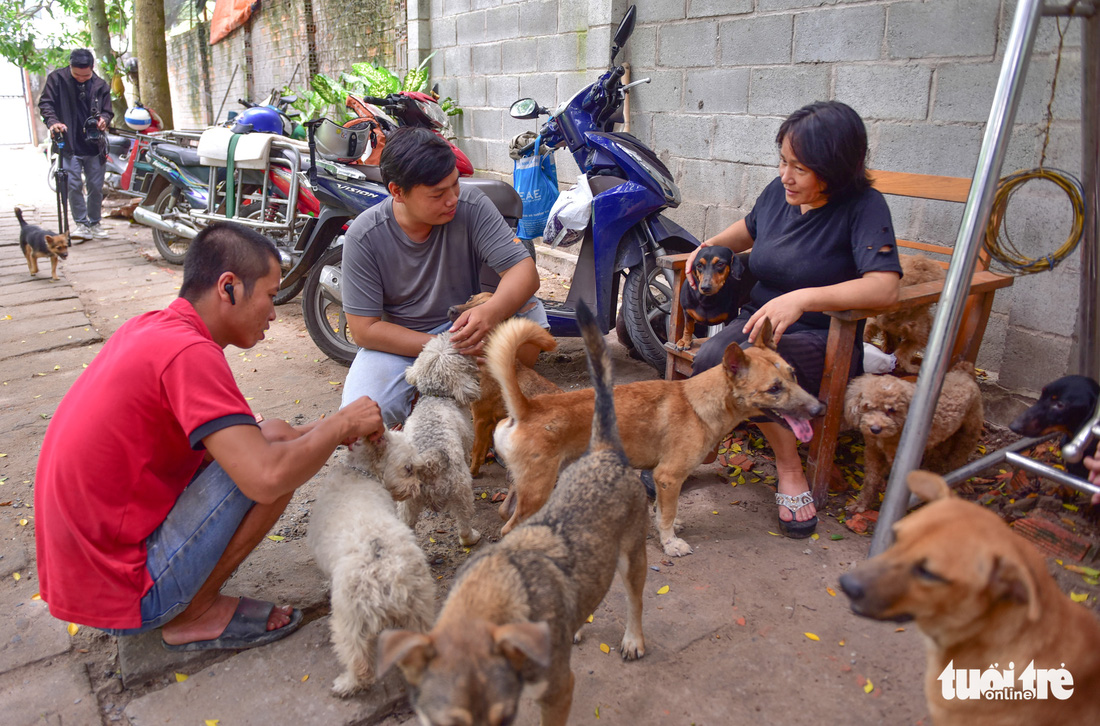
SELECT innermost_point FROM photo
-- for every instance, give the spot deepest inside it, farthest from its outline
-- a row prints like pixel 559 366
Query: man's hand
pixel 469 331
pixel 365 419
pixel 58 128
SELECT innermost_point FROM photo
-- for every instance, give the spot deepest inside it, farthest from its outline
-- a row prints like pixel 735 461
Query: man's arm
pixel 47 104
pixel 106 112
pixel 265 470
pixel 518 283
pixel 373 334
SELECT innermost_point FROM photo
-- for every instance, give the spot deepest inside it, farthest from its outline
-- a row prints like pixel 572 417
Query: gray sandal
pixel 795 529
pixel 246 629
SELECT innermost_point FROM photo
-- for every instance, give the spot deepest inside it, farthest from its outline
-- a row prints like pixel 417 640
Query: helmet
pixel 345 143
pixel 138 118
pixel 258 118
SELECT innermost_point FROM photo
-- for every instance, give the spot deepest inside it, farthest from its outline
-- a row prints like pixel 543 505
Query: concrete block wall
pixel 726 72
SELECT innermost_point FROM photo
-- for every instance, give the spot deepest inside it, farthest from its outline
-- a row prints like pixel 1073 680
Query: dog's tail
pixel 500 351
pixel 19 216
pixel 605 428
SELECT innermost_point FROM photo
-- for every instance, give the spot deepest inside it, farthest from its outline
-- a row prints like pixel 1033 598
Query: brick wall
pixel 726 72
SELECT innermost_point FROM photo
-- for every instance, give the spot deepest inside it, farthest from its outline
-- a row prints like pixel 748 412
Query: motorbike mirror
pixel 626 27
pixel 293 113
pixel 525 108
pixel 287 99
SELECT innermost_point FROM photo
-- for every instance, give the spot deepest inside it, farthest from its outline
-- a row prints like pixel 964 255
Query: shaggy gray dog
pixel 440 429
pixel 380 577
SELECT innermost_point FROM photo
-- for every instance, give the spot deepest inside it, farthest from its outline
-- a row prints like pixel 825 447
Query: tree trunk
pixel 152 55
pixel 101 44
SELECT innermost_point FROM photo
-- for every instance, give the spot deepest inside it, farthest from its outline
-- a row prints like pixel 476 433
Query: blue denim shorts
pixel 183 550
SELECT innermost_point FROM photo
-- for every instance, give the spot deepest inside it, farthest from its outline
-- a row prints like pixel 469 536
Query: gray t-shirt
pixel 387 275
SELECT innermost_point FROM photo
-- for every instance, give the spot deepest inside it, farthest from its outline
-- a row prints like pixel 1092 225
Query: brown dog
pixel 905 332
pixel 667 426
pixel 986 604
pixel 513 612
pixel 489 408
pixel 35 242
pixel 878 407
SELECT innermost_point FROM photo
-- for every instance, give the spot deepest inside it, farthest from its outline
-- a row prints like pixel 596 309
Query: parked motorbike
pixel 627 231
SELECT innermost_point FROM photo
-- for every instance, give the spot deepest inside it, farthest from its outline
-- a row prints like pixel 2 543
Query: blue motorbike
pixel 626 232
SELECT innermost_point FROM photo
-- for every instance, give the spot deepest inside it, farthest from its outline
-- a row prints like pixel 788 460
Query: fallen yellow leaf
pixel 432 540
pixel 868 686
pixel 57 368
pixel 484 495
pixel 181 677
pixel 1078 596
pixel 73 628
pixel 305 678
pixel 899 630
pixel 22 523
pixel 773 534
pixel 831 591
pixel 811 636
pixel 714 512
pixel 17 576
pixel 841 643
pixel 605 647
pixel 211 722
pixel 663 590
pixel 275 538
pixel 36 597
pixel 815 536
pixel 591 618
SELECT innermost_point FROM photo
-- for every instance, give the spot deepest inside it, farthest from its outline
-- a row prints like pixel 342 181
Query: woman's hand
pixel 782 311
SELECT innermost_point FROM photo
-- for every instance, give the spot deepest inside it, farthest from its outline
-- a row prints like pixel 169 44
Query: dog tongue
pixel 801 427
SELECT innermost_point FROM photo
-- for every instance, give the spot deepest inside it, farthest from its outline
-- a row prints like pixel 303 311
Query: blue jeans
pixel 381 376
pixel 93 168
pixel 183 550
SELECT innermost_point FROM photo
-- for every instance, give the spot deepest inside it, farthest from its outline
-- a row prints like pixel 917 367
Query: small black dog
pixel 1064 405
pixel 35 242
pixel 716 298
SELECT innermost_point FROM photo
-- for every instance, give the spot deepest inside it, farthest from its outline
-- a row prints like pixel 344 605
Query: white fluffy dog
pixel 440 429
pixel 380 577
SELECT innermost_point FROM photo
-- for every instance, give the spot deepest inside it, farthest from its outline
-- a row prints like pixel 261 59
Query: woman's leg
pixel 788 466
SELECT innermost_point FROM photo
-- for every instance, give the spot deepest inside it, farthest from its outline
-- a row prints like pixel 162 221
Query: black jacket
pixel 61 102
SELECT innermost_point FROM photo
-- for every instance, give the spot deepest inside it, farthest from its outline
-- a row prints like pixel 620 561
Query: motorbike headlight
pixel 668 186
pixel 434 112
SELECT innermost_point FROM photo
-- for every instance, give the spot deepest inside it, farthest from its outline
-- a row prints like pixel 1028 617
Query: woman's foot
pixel 211 623
pixel 793 483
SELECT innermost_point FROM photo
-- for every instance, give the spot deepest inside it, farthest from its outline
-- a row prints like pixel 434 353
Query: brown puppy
pixel 513 612
pixel 905 332
pixel 35 242
pixel 489 409
pixel 667 426
pixel 878 407
pixel 986 604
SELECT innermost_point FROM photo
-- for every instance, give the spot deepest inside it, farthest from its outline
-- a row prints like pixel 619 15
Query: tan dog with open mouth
pixel 666 426
pixel 984 600
pixel 512 614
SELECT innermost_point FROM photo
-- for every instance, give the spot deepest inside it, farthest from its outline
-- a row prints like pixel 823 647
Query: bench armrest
pixel 926 293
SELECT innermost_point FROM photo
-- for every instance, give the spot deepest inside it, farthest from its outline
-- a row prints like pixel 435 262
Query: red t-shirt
pixel 123 444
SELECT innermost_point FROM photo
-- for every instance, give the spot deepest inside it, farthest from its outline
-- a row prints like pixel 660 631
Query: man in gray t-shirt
pixel 411 257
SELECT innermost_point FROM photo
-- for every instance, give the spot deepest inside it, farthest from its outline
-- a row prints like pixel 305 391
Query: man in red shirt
pixel 133 532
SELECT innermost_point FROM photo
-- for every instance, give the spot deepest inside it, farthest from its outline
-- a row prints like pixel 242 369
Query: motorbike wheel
pixel 282 242
pixel 647 305
pixel 51 177
pixel 324 315
pixel 284 296
pixel 172 248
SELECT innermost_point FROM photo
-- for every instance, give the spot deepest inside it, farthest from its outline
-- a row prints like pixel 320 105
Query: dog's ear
pixel 1011 580
pixel 928 486
pixel 522 642
pixel 734 359
pixel 764 337
pixel 410 375
pixel 410 651
pixel 737 267
pixel 852 397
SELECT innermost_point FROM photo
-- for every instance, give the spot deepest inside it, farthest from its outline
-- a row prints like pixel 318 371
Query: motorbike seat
pixel 182 155
pixel 500 193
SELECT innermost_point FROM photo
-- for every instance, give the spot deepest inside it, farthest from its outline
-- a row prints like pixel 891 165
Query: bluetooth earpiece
pixel 229 292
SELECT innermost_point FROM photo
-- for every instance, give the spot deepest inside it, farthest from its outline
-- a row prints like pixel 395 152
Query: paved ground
pixel 728 642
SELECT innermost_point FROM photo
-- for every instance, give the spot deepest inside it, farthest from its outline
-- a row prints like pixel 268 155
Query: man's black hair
pixel 414 155
pixel 829 138
pixel 81 58
pixel 226 247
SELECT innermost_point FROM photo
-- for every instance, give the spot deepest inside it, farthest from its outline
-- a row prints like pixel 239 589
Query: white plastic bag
pixel 875 361
pixel 569 215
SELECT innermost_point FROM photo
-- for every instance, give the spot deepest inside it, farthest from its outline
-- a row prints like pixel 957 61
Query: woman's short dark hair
pixel 829 138
pixel 226 247
pixel 414 155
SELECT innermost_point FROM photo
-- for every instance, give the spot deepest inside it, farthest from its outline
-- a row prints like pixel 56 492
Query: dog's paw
pixel 347 685
pixel 577 638
pixel 683 344
pixel 632 648
pixel 856 507
pixel 676 547
pixel 471 539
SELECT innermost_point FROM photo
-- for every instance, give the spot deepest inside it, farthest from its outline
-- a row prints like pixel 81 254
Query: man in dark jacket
pixel 76 100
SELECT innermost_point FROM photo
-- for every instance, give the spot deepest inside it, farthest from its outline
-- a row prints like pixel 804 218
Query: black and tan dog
pixel 986 604
pixel 720 290
pixel 512 614
pixel 1065 405
pixel 667 426
pixel 35 242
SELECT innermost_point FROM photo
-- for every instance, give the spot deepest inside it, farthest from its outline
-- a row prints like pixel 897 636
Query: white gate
pixel 15 123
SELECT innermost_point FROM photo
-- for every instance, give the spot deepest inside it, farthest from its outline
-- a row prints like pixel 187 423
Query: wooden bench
pixel 843 326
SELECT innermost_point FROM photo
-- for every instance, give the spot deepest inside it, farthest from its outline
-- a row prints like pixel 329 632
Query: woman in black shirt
pixel 821 239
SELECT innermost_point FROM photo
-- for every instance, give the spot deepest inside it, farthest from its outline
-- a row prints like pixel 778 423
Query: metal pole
pixel 967 245
pixel 1088 342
